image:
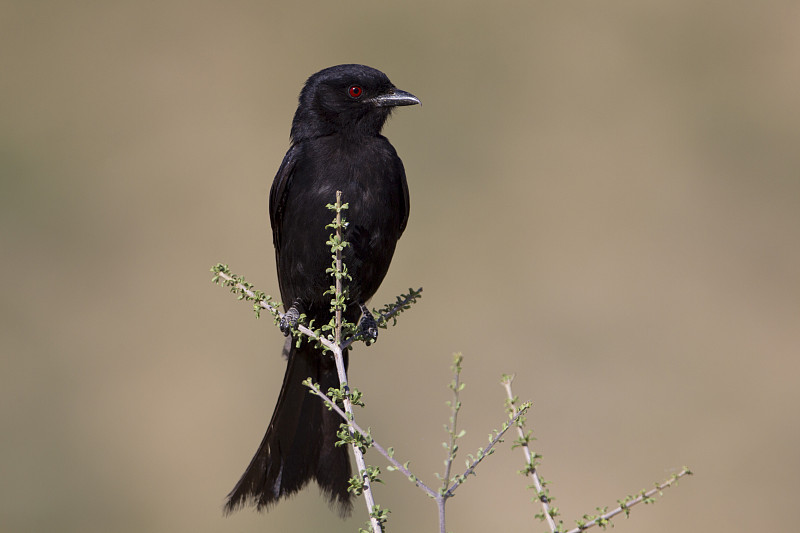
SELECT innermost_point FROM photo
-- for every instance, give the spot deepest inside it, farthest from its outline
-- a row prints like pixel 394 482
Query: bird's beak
pixel 395 97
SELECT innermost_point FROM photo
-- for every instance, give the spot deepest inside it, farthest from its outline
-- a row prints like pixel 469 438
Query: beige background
pixel 605 201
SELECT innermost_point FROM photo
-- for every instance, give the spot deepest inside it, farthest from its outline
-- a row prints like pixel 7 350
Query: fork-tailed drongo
pixel 336 144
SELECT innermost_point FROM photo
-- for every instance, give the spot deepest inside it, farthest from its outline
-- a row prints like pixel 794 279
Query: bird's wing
pixel 406 202
pixel 278 192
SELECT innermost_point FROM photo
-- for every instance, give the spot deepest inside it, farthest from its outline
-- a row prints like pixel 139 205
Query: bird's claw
pixel 289 321
pixel 367 326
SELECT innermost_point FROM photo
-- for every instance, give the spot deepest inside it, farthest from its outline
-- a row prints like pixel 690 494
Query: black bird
pixel 336 144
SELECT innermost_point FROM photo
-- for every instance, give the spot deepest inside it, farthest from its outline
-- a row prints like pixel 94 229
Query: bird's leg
pixel 290 318
pixel 367 326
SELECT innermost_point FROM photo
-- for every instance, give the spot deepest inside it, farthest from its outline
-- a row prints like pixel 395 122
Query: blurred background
pixel 605 202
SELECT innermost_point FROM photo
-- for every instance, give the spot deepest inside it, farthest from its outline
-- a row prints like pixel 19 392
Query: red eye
pixel 355 91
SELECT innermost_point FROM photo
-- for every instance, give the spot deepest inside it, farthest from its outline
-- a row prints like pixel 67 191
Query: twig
pixel 600 520
pixel 440 496
pixel 644 496
pixel 483 454
pixel 375 444
pixel 456 386
pixel 529 459
pixel 401 305
pixel 274 310
pixel 337 354
pixel 350 418
pixel 329 344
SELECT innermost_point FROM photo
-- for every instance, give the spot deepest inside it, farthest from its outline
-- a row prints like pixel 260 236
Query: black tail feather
pixel 299 444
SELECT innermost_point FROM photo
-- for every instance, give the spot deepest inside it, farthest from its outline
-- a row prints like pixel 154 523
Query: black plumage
pixel 336 145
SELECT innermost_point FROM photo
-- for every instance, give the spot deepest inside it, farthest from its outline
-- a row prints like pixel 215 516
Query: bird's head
pixel 352 99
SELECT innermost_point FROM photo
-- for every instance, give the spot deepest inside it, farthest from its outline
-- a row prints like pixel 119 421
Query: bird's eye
pixel 355 91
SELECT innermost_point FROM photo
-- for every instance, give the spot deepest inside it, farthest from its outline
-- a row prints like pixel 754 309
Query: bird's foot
pixel 290 319
pixel 367 326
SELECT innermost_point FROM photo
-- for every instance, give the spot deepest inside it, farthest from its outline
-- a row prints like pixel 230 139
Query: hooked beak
pixel 395 97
